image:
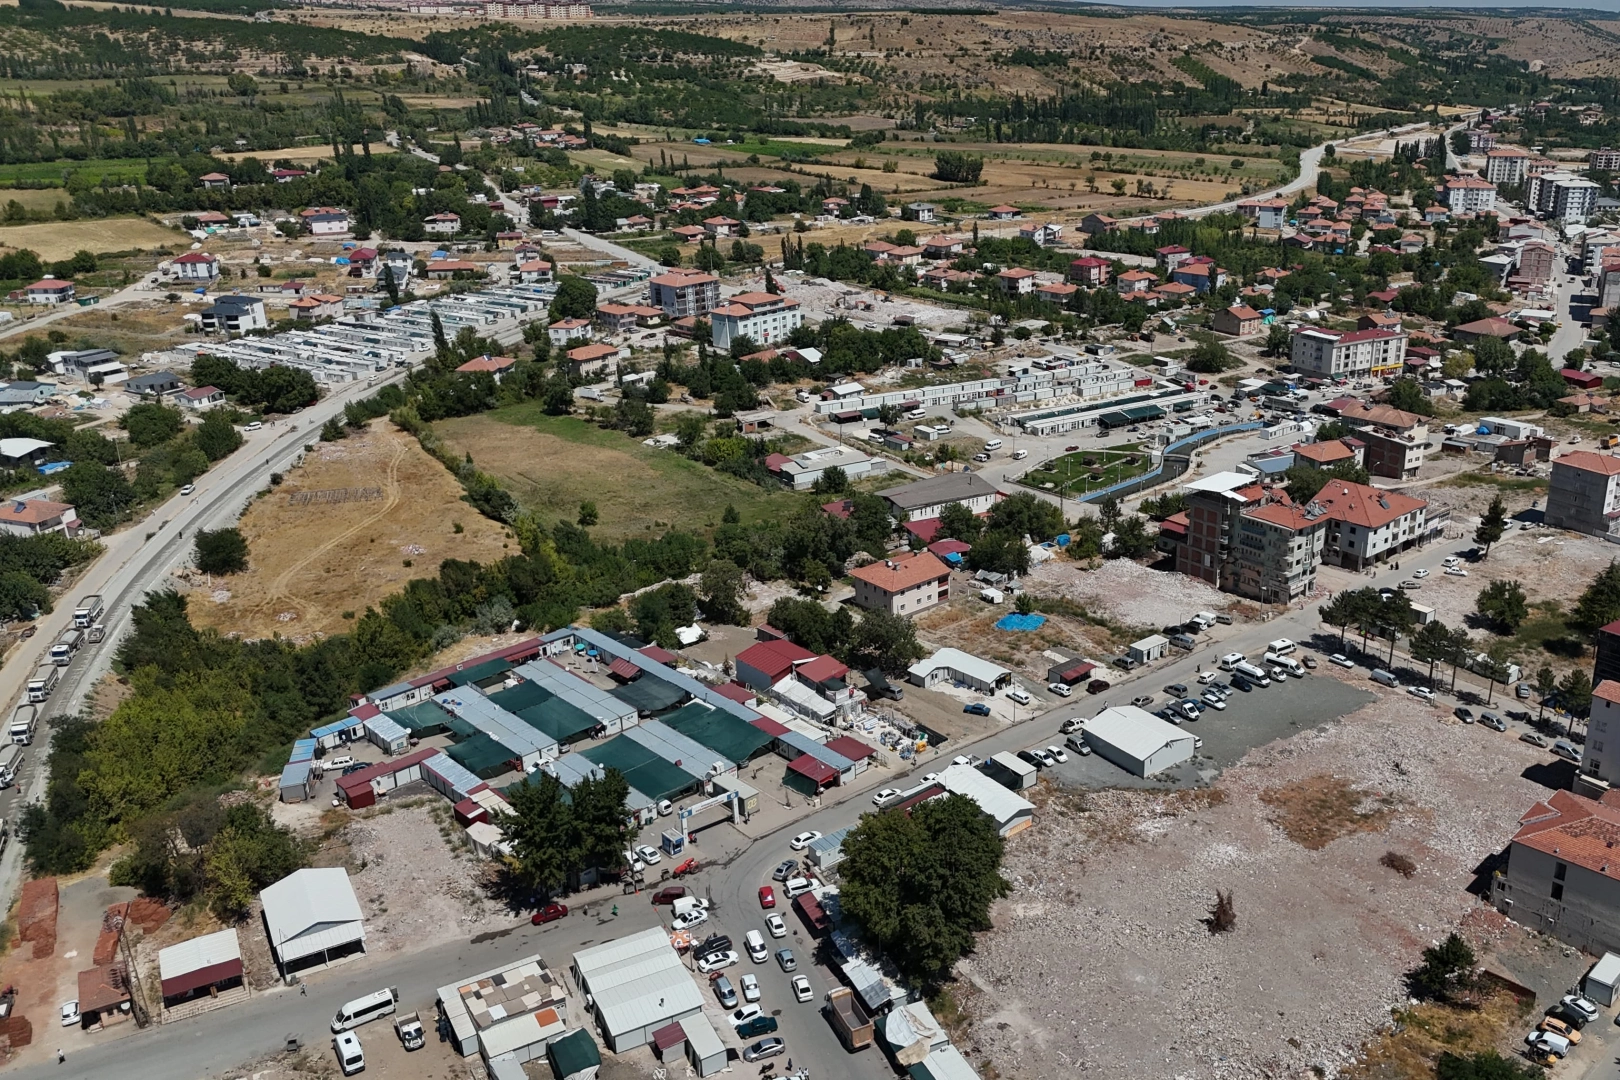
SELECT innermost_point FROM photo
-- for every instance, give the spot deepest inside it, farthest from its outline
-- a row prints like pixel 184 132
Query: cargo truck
pixel 66 647
pixel 849 1019
pixel 43 682
pixel 23 724
pixel 88 611
pixel 409 1030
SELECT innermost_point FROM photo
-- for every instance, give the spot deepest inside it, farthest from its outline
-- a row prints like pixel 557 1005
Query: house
pixel 1561 876
pixel 834 206
pixel 1090 272
pixel 312 917
pixel 497 366
pixel 1003 213
pixel 34 517
pixel 902 586
pixel 758 316
pixel 363 262
pixel 1056 292
pixel 593 359
pixel 1379 320
pixel 1172 256
pixel 316 307
pixel 956 666
pixel 1338 354
pixel 201 398
pixel 397 264
pixel 621 318
pixel 688 234
pixel 926 499
pixel 1396 441
pixel 722 227
pixel 1411 244
pixel 1470 332
pixel 1134 283
pixel 511 238
pixel 1239 320
pixel 1137 741
pixel 156 384
pixel 1010 811
pixel 532 272
pixel 1017 281
pixel 235 314
pixel 1265 213
pixel 442 224
pixel 449 268
pixel 1202 276
pixel 563 331
pixel 801 471
pixel 1046 235
pixel 921 212
pixel 1367 525
pixel 1603 724
pixel 942 247
pixel 49 291
pixel 214 181
pixel 1177 291
pixel 287 176
pixel 1326 455
pixel 1095 224
pixel 1583 494
pixel 682 293
pixel 510 1013
pixel 196 266
pixel 325 220
pixel 211 219
pixel 201 969
pixel 1582 380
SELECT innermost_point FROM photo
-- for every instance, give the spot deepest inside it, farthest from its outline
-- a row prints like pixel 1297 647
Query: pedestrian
pixel 303 989
pixel 615 911
pixel 60 1057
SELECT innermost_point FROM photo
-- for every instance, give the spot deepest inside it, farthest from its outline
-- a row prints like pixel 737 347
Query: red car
pixel 549 913
pixel 767 896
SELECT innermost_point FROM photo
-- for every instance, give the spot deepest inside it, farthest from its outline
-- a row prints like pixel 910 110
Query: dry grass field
pixel 377 511
pixel 301 153
pixel 60 239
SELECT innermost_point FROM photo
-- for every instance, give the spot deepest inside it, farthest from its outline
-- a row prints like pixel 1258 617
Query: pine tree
pixel 1492 525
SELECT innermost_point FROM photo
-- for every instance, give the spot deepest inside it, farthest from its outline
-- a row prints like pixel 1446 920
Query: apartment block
pixel 1506 165
pixel 1246 538
pixel 760 317
pixel 1584 494
pixel 1562 876
pixel 1367 525
pixel 683 293
pixel 1338 354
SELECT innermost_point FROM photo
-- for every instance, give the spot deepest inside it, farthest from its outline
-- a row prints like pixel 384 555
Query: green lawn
pixel 1088 470
pixel 55 172
pixel 551 464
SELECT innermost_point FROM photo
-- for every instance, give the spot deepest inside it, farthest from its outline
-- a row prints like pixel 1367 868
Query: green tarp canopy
pixel 649 695
pixel 732 738
pixel 642 769
pixel 574 1053
pixel 423 718
pixel 482 756
pixel 1134 415
pixel 514 699
pixel 479 672
pixel 558 719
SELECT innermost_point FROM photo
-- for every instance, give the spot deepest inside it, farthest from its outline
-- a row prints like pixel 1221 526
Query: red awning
pixel 773 728
pixel 810 908
pixel 623 669
pixel 670 1035
pixel 818 771
pixel 850 747
pixel 203 976
pixel 1078 672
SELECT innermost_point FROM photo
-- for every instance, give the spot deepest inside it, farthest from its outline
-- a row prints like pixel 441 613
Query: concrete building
pixel 1368 525
pixel 34 517
pixel 1353 354
pixel 507 1015
pixel 683 293
pixel 927 499
pixel 801 471
pixel 1574 200
pixel 1506 165
pixel 760 317
pixel 49 291
pixel 902 586
pixel 1606 666
pixel 312 917
pixel 1604 160
pixel 1016 281
pixel 1246 538
pixel 636 985
pixel 1395 442
pixel 235 314
pixel 1239 320
pixel 1562 876
pixel 1467 195
pixel 196 266
pixel 1137 741
pixel 1584 493
pixel 1603 730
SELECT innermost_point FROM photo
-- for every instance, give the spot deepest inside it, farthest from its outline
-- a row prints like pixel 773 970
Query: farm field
pixel 551 464
pixel 301 153
pixel 55 172
pixel 60 239
pixel 350 526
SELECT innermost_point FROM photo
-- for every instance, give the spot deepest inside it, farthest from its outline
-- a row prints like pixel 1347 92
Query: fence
pixel 1172 464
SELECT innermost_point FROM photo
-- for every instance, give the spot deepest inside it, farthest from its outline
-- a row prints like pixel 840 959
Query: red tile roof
pixel 1369 507
pixel 1586 461
pixel 774 658
pixel 850 747
pixel 1576 830
pixel 1608 689
pixel 897 576
pixel 821 669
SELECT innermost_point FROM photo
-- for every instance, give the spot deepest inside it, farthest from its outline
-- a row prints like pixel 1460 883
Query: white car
pixel 1581 1006
pixel 338 762
pixel 750 987
pixel 801 989
pixel 1214 701
pixel 885 797
pixel 804 840
pixel 716 961
pixel 961 759
pixel 1420 573
pixel 70 1013
pixel 1208 677
pixel 774 923
pixel 648 855
pixel 1060 689
pixel 1342 660
pixel 745 1014
pixel 1045 756
pixel 1456 571
pixel 1421 692
pixel 1071 725
pixel 1057 754
pixel 930 778
pixel 188 489
pixel 695 917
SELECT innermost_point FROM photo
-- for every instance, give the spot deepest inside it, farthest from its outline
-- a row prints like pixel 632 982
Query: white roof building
pixel 511 1012
pixel 637 984
pixel 313 917
pixel 1011 812
pixel 1137 741
pixel 958 666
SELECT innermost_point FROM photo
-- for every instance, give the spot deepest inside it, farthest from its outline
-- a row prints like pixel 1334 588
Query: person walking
pixel 61 1058
pixel 615 911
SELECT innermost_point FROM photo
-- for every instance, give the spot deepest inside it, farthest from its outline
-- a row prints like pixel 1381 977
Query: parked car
pixel 1142 701
pixel 745 1014
pixel 885 797
pixel 801 989
pixel 725 993
pixel 767 896
pixel 1547 1043
pixel 1175 689
pixel 1580 1005
pixel 1214 701
pixel 669 895
pixel 1098 686
pixel 70 1012
pixel 759 1025
pixel 1533 739
pixel 1056 754
pixel 716 961
pixel 1208 677
pixel 978 708
pixel 1409 584
pixel 648 854
pixel 785 869
pixel 1422 692
pixel 1420 573
pixel 1240 683
pixel 774 924
pixel 750 987
pixel 1456 571
pixel 1342 660
pixel 1030 757
pixel 1492 721
pixel 1522 691
pixel 765 1048
pixel 785 958
pixel 804 840
pixel 1567 750
pixel 549 913
pixel 695 917
pixel 1466 715
pixel 1310 662
pixel 1060 689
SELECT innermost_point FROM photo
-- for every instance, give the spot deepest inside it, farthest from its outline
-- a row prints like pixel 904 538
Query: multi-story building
pixel 1583 493
pixel 445 224
pixel 1604 160
pixel 1506 165
pixel 923 500
pixel 684 293
pixel 1265 213
pixel 325 220
pixel 1467 195
pixel 196 266
pixel 1607 664
pixel 1250 539
pixel 1394 441
pixel 902 586
pixel 1573 201
pixel 759 316
pixel 1480 140
pixel 1608 282
pixel 1367 525
pixel 1603 731
pixel 1562 876
pixel 1535 262
pixel 1090 272
pixel 1016 281
pixel 1338 354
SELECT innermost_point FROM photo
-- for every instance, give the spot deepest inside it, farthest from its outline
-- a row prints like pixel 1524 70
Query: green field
pixel 551 464
pixel 55 173
pixel 1074 475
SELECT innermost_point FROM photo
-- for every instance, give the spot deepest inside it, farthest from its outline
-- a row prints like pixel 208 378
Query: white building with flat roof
pixel 957 666
pixel 313 917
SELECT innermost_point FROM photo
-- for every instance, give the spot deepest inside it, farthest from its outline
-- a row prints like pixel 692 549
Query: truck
pixel 24 722
pixel 66 647
pixel 11 759
pixel 409 1030
pixel 43 682
pixel 88 611
pixel 849 1019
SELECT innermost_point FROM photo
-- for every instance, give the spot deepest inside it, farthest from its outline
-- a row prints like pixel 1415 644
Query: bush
pixel 1399 863
pixel 222 551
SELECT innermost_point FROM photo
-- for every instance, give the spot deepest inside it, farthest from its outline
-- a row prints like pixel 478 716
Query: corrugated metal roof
pixel 460 780
pixel 688 755
pixel 385 729
pixel 303 750
pixel 468 704
pixel 637 981
pixel 803 745
pixel 1001 804
pixel 593 700
pixel 311 910
pixel 296 774
pixel 701 1038
pixel 197 953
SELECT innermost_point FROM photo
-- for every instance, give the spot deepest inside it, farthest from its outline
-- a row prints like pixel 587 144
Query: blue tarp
pixel 954 558
pixel 1020 622
pixel 54 467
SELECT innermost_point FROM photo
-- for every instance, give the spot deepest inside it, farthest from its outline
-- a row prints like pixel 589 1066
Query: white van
pixel 1287 663
pixel 756 946
pixel 1384 678
pixel 1231 660
pixel 1281 647
pixel 1020 455
pixel 993 444
pixel 351 1056
pixel 1252 673
pixel 11 758
pixel 1019 694
pixel 365 1009
pixel 1077 742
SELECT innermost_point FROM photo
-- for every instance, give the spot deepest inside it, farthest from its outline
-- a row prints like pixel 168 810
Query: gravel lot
pixel 1128 591
pixel 1103 932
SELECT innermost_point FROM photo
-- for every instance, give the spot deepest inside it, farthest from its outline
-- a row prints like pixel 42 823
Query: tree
pixel 1431 645
pixel 575 299
pixel 1209 356
pixel 1493 665
pixel 1408 395
pixel 1343 611
pixel 957 522
pixel 1598 606
pixel 1279 342
pixel 1492 525
pixel 884 641
pixel 250 852
pixel 920 885
pixel 832 481
pixel 333 430
pixel 955 167
pixel 540 832
pixel 1546 687
pixel 22 596
pixel 100 495
pixel 221 551
pixel 217 437
pixel 1575 692
pixel 1394 616
pixel 720 593
pixel 1446 972
pixel 588 514
pixel 1504 604
pixel 1131 538
pixel 150 424
pixel 601 828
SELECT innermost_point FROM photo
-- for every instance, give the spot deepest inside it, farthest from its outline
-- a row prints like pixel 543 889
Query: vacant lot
pixel 60 239
pixel 551 464
pixel 350 526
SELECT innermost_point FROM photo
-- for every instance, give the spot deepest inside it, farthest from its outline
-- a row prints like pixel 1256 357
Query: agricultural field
pixel 60 239
pixel 551 464
pixel 350 526
pixel 55 173
pixel 1074 475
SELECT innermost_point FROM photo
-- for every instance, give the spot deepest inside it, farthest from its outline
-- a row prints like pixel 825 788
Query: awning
pixel 808 767
pixel 478 672
pixel 203 976
pixel 1077 672
pixel 623 669
pixel 668 1037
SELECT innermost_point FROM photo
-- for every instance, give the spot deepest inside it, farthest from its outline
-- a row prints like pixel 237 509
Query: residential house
pixel 235 314
pixel 1058 292
pixel 563 331
pixel 1411 243
pixel 1604 160
pixel 1134 283
pixel 1095 224
pixel 834 206
pixel 316 307
pixel 761 317
pixel 1561 877
pixel 325 221
pixel 1239 320
pixel 155 385
pixel 942 247
pixel 201 398
pixel 1467 194
pixel 721 227
pixel 925 500
pixel 1368 525
pixel 1506 165
pixel 443 224
pixel 398 265
pixel 1048 235
pixel 49 291
pixel 1090 272
pixel 921 212
pixel 801 471
pixel 1379 320
pixel 497 366
pixel 196 266
pixel 1339 354
pixel 1003 213
pixel 35 517
pixel 1333 452
pixel 532 272
pixel 1584 494
pixel 623 318
pixel 363 262
pixel 287 176
pixel 593 359
pixel 689 234
pixel 1172 256
pixel 1535 263
pixel 1177 291
pixel 683 293
pixel 1248 538
pixel 1470 332
pixel 449 268
pixel 1396 441
pixel 1265 213
pixel 215 181
pixel 902 586
pixel 1203 276
pixel 1016 281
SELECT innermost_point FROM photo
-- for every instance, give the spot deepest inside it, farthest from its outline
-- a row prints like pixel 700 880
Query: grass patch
pixel 1318 810
pixel 551 464
pixel 1088 470
pixel 1496 480
pixel 55 172
pixel 1409 1048
pixel 1545 632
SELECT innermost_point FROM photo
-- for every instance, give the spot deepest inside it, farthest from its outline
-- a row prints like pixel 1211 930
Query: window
pixel 1557 892
pixel 1560 870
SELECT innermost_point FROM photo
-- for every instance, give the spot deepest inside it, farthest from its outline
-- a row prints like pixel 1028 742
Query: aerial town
pixel 561 541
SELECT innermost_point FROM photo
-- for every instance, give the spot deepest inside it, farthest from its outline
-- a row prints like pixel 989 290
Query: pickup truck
pixel 409 1029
